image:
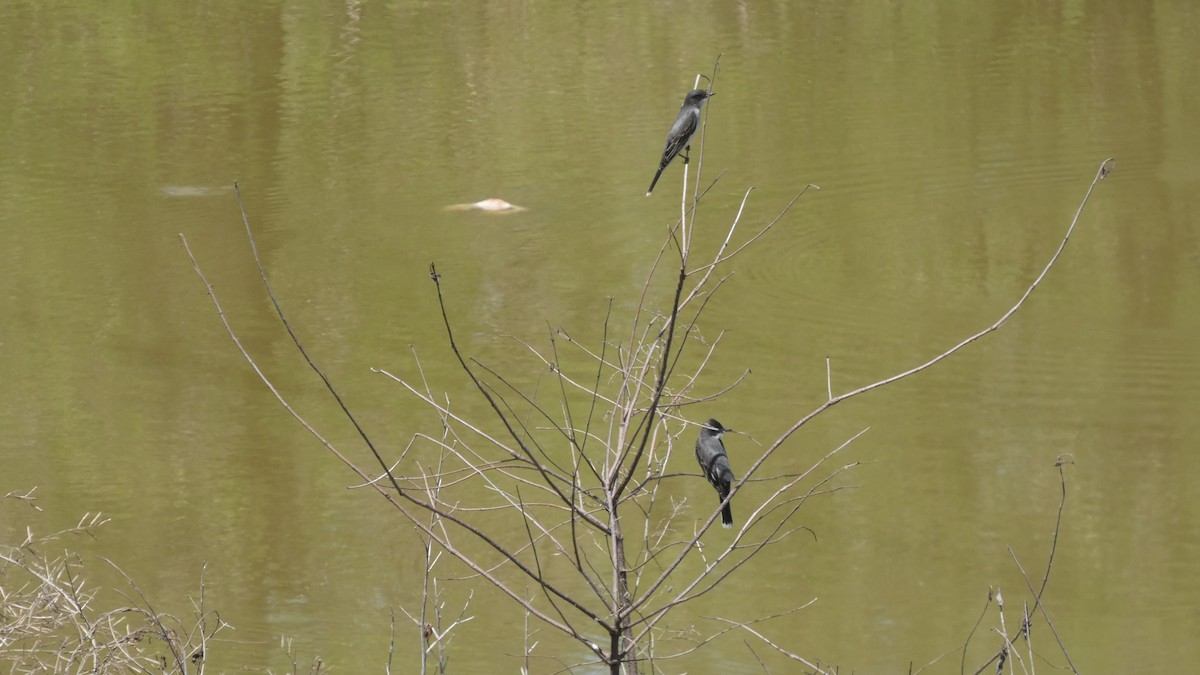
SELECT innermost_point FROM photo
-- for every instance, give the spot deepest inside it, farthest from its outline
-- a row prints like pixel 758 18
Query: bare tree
pixel 1011 643
pixel 581 470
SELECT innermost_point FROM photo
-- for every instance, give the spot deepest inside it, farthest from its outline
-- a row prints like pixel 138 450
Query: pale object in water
pixel 490 205
pixel 184 191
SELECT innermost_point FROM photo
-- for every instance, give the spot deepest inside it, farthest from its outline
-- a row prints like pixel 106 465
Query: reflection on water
pixel 952 146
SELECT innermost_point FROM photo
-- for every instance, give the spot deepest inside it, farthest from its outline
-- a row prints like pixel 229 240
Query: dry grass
pixel 51 619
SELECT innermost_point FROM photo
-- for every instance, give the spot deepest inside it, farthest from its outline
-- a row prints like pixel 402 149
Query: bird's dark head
pixel 697 96
pixel 714 428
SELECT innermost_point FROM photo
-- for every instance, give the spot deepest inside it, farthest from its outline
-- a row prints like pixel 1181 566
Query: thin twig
pixel 300 346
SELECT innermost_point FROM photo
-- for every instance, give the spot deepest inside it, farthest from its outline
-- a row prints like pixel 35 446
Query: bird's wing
pixel 679 137
pixel 720 470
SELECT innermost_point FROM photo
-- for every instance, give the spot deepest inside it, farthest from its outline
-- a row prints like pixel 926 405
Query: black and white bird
pixel 710 452
pixel 680 135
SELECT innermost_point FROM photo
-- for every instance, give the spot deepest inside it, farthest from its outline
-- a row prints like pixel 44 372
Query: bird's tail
pixel 727 516
pixel 655 181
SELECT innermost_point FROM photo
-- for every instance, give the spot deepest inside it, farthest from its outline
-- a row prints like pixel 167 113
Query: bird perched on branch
pixel 710 452
pixel 679 137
